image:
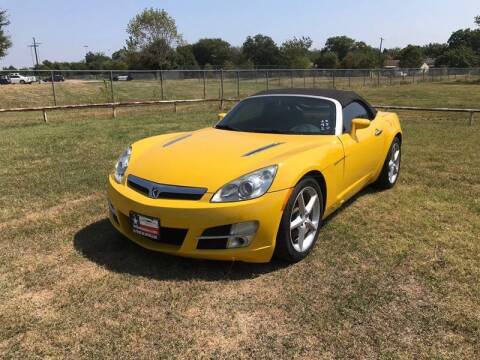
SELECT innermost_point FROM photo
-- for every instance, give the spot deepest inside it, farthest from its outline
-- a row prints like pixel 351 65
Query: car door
pixel 362 149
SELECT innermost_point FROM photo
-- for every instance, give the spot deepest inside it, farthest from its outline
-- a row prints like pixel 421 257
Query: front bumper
pixel 198 215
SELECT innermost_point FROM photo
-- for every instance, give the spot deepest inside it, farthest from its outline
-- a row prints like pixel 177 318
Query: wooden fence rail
pixel 115 105
pixel 471 112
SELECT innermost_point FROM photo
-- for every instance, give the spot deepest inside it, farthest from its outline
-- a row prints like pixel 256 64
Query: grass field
pixel 99 91
pixel 395 274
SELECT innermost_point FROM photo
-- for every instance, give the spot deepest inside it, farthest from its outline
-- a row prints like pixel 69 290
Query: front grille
pixel 223 230
pixel 162 191
pixel 214 238
pixel 212 244
pixel 172 236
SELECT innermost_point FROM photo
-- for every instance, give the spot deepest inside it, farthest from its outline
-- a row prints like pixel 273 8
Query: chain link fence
pixel 46 88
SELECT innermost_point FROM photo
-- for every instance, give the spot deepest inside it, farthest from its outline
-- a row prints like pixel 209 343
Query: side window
pixel 352 111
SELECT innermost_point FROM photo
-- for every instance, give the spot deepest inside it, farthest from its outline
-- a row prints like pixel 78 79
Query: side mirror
pixel 358 124
pixel 221 116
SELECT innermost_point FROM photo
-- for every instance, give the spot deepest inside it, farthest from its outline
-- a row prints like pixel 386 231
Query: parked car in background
pixel 4 80
pixel 16 78
pixel 123 77
pixel 56 78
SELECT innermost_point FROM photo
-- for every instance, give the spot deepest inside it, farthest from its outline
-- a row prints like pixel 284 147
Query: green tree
pixel 184 58
pixel 392 53
pixel 96 60
pixel 295 52
pixel 465 38
pixel 411 57
pixel 212 51
pixel 340 45
pixel 5 42
pixel 461 57
pixel 327 60
pixel 261 50
pixel 153 35
pixel 477 20
pixel 434 50
pixel 362 56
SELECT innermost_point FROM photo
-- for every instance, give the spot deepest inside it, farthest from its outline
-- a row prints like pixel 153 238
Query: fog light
pixel 241 234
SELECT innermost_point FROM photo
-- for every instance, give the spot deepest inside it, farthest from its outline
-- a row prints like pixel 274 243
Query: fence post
pixel 238 84
pixel 364 79
pixel 161 84
pixel 114 112
pixel 221 89
pixel 333 79
pixel 349 78
pixel 266 78
pixel 314 75
pixel 175 106
pixel 204 84
pixel 291 79
pixel 53 89
pixel 470 122
pixel 413 77
pixel 45 118
pixel 304 79
pixel 378 78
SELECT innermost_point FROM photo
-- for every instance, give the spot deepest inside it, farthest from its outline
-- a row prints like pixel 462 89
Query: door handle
pixel 378 132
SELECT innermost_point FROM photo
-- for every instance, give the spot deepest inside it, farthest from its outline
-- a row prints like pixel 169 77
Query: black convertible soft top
pixel 342 96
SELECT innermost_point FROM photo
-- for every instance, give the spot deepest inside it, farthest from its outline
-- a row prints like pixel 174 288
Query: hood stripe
pixel 260 149
pixel 171 142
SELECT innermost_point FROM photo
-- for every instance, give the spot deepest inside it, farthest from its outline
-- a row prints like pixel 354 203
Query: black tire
pixel 22 81
pixel 284 248
pixel 384 181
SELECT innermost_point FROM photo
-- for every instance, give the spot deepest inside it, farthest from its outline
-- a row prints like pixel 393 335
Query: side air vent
pixel 171 142
pixel 260 149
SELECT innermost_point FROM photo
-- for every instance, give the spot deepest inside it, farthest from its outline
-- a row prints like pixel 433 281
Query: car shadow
pixel 102 244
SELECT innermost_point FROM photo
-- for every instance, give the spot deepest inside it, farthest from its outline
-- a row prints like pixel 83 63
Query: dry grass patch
pixel 395 274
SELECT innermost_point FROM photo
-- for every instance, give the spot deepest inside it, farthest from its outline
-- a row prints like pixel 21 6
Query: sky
pixel 65 27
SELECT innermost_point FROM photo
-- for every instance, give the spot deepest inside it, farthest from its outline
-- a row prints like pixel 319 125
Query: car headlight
pixel 247 187
pixel 122 164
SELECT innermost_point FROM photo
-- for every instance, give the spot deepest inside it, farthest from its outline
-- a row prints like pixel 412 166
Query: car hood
pixel 212 157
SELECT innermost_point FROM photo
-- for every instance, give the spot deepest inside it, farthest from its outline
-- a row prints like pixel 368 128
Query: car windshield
pixel 282 115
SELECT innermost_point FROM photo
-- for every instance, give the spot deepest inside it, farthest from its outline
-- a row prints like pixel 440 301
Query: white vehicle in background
pixel 16 78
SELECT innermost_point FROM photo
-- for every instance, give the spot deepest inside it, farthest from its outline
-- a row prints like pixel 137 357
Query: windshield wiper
pixel 226 127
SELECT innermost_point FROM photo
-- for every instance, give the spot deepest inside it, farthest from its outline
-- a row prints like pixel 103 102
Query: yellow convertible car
pixel 257 184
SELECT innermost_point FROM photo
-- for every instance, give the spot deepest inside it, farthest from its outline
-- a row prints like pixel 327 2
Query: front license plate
pixel 145 225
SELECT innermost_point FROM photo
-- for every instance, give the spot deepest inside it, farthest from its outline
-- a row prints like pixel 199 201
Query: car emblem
pixel 155 192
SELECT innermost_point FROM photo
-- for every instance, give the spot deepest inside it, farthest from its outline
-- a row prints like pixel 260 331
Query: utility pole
pixel 380 51
pixel 35 45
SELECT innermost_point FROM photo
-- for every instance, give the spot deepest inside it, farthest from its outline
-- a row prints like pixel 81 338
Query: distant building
pixel 391 64
pixel 425 67
pixel 430 62
pixel 427 64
